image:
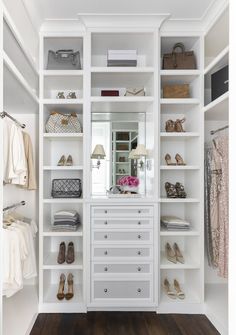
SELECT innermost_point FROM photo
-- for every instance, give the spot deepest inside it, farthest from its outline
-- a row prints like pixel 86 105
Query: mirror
pixel 118 133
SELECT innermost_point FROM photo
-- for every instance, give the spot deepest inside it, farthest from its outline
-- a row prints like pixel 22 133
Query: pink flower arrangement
pixel 128 181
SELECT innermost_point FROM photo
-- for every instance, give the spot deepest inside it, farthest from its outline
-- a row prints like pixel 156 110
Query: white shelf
pixel 63 168
pixel 189 101
pixel 218 109
pixel 50 262
pixel 179 167
pixel 50 296
pixel 64 136
pixel 180 72
pixel 63 72
pixel 113 69
pixel 179 233
pixel 219 61
pixel 122 99
pixel 166 265
pixel 62 101
pixel 183 134
pixel 50 233
pixel 63 201
pixel 176 200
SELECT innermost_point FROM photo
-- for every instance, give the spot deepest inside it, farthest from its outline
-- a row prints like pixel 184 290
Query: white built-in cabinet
pixel 120 262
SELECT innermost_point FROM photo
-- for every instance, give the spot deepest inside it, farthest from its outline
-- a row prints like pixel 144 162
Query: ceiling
pixel 68 9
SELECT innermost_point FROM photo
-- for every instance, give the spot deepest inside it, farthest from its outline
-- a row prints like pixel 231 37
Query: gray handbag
pixel 64 60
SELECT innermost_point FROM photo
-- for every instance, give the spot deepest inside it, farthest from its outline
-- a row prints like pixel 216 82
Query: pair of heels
pixel 61 95
pixel 171 294
pixel 175 191
pixel 65 162
pixel 178 158
pixel 174 255
pixel 62 257
pixel 70 282
pixel 175 126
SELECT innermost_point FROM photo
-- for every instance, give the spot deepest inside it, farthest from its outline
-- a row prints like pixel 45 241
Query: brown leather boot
pixel 62 253
pixel 70 257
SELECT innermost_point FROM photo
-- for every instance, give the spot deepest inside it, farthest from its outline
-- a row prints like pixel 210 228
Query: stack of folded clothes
pixel 174 223
pixel 66 220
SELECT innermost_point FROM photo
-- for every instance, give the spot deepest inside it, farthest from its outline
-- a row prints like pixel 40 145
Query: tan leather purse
pixel 179 60
pixel 134 92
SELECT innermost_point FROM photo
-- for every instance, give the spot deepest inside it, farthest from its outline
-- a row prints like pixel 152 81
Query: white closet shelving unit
pixel 189 145
pixel 52 147
pixel 216 116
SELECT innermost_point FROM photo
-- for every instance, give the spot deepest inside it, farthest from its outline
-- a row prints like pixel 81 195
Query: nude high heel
pixel 180 294
pixel 70 294
pixel 168 160
pixel 60 294
pixel 179 160
pixel 62 161
pixel 168 290
pixel 170 254
pixel 178 253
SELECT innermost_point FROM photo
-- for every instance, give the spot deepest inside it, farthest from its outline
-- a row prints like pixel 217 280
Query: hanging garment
pixel 218 201
pixel 15 167
pixel 19 260
pixel 30 176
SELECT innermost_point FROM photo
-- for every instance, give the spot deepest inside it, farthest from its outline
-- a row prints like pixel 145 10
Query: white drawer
pixel 122 211
pixel 121 268
pixel 122 236
pixel 121 252
pixel 122 223
pixel 121 289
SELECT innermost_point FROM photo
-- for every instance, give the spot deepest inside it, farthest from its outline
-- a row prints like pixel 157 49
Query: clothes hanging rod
pixel 220 129
pixel 3 114
pixel 22 203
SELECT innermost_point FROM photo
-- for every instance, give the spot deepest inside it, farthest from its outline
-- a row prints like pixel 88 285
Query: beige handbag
pixel 63 123
pixel 134 92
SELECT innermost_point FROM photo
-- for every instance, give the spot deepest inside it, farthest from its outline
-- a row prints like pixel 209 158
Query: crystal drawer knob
pixel 139 268
pixel 105 252
pixel 105 290
pixel 139 222
pixel 105 236
pixel 139 211
pixel 139 236
pixel 139 290
pixel 105 222
pixel 105 211
pixel 105 269
pixel 139 252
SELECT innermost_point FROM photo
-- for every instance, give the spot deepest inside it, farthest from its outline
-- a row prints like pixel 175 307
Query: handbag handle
pixel 65 51
pixel 179 45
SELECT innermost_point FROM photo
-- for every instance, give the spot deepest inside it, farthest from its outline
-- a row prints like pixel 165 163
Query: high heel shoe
pixel 180 294
pixel 171 191
pixel 180 190
pixel 61 254
pixel 168 160
pixel 168 290
pixel 69 161
pixel 60 294
pixel 178 254
pixel 179 160
pixel 170 254
pixel 69 295
pixel 70 257
pixel 62 161
pixel 179 125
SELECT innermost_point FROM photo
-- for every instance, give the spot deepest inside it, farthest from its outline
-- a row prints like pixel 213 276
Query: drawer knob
pixel 139 290
pixel 105 269
pixel 139 211
pixel 139 252
pixel 105 236
pixel 105 222
pixel 105 252
pixel 105 211
pixel 105 290
pixel 139 222
pixel 139 236
pixel 139 268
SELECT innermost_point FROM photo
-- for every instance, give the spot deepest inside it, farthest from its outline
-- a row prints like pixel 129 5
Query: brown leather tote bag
pixel 184 60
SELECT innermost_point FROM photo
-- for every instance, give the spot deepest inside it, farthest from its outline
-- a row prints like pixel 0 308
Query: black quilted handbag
pixel 66 188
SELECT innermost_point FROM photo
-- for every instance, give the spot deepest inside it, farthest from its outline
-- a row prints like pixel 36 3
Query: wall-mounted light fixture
pixel 98 153
pixel 140 153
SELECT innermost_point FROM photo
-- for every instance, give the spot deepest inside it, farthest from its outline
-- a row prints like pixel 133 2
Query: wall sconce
pixel 98 153
pixel 140 153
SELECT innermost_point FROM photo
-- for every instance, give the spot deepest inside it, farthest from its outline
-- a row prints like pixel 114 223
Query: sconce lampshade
pixel 132 154
pixel 140 151
pixel 98 152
